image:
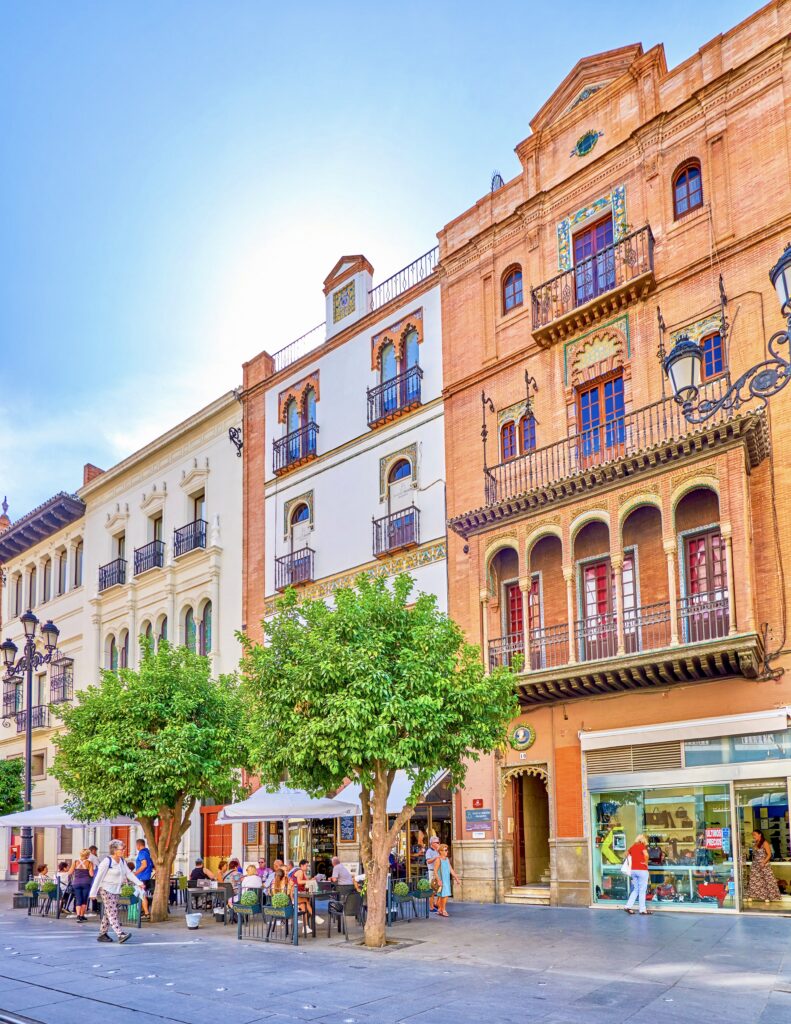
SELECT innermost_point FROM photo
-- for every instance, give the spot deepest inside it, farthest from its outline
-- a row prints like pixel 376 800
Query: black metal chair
pixel 339 910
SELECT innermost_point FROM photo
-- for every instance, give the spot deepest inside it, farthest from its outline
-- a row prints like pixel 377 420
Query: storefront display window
pixel 690 852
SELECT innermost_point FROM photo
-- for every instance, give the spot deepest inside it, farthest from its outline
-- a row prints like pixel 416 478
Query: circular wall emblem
pixel 585 143
pixel 522 737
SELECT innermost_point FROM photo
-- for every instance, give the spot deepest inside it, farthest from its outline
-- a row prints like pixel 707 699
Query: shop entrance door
pixel 763 805
pixel 531 831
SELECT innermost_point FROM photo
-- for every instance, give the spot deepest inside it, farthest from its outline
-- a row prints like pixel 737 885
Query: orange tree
pixel 150 743
pixel 362 689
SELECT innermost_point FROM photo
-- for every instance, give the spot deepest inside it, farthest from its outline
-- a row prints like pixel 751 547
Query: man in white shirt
pixel 432 856
pixel 340 873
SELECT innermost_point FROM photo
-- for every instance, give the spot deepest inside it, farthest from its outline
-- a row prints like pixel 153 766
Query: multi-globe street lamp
pixel 31 659
pixel 683 363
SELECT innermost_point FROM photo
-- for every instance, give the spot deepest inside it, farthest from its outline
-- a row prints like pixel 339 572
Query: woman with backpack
pixel 111 874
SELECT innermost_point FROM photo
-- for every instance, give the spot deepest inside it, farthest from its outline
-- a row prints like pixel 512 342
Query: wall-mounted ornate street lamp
pixel 31 659
pixel 683 363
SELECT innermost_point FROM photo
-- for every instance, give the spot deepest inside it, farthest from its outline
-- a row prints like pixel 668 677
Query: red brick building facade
pixel 628 556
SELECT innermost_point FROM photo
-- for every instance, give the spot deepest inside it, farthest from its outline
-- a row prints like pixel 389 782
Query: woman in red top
pixel 638 852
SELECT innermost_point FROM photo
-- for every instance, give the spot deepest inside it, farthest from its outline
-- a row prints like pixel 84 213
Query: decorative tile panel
pixel 512 412
pixel 291 504
pixel 609 342
pixel 586 93
pixel 585 143
pixel 698 330
pixel 426 554
pixel 343 302
pixel 614 201
pixel 388 461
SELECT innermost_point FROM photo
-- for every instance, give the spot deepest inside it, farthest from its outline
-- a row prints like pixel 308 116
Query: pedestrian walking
pixel 111 874
pixel 763 884
pixel 144 869
pixel 81 875
pixel 444 872
pixel 432 856
pixel 637 855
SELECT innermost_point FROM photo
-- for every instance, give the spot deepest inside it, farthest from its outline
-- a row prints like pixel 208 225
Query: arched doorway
pixel 530 803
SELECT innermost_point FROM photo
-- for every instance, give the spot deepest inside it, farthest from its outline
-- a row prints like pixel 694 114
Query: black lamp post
pixel 682 364
pixel 31 658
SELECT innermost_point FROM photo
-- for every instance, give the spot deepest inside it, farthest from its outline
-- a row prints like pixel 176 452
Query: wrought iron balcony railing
pixel 112 574
pixel 61 681
pixel 189 537
pixel 150 556
pixel 395 395
pixel 296 447
pixel 701 617
pixel 294 568
pixel 406 278
pixel 398 530
pixel 612 274
pixel 39 718
pixel 617 438
pixel 12 697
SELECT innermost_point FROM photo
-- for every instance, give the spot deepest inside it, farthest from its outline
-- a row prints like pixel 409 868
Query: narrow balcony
pixel 113 574
pixel 150 556
pixel 295 448
pixel 294 568
pixel 61 681
pixel 624 446
pixel 395 396
pixel 704 649
pixel 39 718
pixel 397 531
pixel 595 288
pixel 11 699
pixel 190 537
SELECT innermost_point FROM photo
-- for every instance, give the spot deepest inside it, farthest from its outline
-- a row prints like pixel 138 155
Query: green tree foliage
pixel 11 772
pixel 365 688
pixel 150 743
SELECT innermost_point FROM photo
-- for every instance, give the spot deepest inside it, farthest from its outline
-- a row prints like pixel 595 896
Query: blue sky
pixel 177 179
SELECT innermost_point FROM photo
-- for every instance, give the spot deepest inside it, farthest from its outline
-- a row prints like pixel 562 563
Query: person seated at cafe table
pixel 340 873
pixel 264 873
pixel 251 879
pixel 279 881
pixel 299 880
pixel 199 873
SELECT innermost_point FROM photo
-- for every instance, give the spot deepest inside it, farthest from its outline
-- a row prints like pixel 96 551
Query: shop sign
pixel 478 819
pixel 479 835
pixel 713 838
pixel 347 829
pixel 523 737
pixel 477 802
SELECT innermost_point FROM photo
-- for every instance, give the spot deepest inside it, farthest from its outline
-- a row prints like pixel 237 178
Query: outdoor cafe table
pixel 217 897
pixel 325 894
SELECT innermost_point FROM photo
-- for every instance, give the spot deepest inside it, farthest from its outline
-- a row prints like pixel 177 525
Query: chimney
pixel 90 472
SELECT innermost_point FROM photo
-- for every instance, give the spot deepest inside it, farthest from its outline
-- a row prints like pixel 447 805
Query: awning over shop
pixel 399 791
pixel 285 803
pixel 56 816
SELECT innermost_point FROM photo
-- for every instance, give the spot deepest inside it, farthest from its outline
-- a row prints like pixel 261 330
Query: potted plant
pixel 248 902
pixel 49 888
pixel 31 887
pixel 281 906
pixel 423 888
pixel 401 891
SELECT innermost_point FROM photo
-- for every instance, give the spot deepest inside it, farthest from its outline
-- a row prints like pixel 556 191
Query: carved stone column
pixel 617 567
pixel 727 534
pixel 484 598
pixel 672 596
pixel 524 586
pixel 568 576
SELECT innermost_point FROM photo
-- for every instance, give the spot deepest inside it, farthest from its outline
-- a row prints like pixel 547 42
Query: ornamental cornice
pixel 154 500
pixel 196 475
pixel 118 517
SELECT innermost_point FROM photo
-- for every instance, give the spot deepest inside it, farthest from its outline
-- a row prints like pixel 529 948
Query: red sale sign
pixel 713 838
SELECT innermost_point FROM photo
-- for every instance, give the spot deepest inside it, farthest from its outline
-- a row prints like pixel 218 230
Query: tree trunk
pixel 174 822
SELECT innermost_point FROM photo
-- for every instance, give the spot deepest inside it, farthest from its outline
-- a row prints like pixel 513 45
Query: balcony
pixel 394 397
pixel 12 696
pixel 293 569
pixel 190 537
pixel 150 556
pixel 650 658
pixel 623 447
pixel 397 531
pixel 39 718
pixel 61 681
pixel 295 448
pixel 595 288
pixel 113 574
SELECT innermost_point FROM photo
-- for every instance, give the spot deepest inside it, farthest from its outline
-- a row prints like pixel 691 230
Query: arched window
pixel 148 631
pixel 19 601
pixel 301 514
pixel 411 346
pixel 46 593
pixel 32 589
pixel 123 652
pixel 402 470
pixel 163 629
pixel 512 289
pixel 713 356
pixel 205 629
pixel 389 369
pixel 112 656
pixel 78 564
pixel 508 439
pixel 292 416
pixel 190 633
pixel 687 188
pixel 310 406
pixel 527 429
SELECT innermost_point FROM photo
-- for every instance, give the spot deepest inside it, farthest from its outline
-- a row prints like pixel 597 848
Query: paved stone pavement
pixel 485 963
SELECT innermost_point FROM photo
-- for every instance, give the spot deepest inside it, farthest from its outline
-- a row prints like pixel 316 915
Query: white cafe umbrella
pixel 56 816
pixel 399 791
pixel 285 803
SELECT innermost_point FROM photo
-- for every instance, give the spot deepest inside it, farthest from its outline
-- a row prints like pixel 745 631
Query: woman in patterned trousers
pixel 111 874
